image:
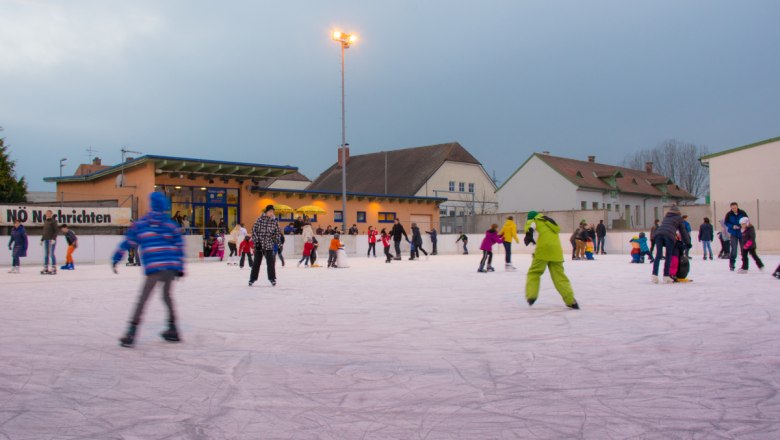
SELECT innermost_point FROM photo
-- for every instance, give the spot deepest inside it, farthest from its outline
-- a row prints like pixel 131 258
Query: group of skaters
pixel 18 244
pixel 588 240
pixel 159 239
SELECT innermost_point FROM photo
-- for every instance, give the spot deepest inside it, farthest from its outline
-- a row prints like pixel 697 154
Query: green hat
pixel 532 215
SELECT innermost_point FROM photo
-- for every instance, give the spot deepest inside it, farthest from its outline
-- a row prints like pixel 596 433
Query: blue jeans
pixel 663 247
pixel 734 240
pixel 15 259
pixel 599 244
pixel 508 252
pixel 48 251
pixel 707 245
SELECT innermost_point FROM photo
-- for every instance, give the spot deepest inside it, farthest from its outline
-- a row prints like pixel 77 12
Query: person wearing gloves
pixel 748 245
pixel 160 240
pixel 491 237
pixel 509 232
pixel 665 239
pixel 731 222
pixel 549 253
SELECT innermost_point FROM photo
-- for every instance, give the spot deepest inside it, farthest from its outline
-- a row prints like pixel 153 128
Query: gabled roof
pixel 407 169
pixel 592 175
pixel 185 165
pixel 744 147
pixel 293 177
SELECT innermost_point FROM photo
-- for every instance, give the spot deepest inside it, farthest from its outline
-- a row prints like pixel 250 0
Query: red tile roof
pixel 630 181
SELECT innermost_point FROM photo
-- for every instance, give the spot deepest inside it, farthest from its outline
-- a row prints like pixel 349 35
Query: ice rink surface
pixel 410 350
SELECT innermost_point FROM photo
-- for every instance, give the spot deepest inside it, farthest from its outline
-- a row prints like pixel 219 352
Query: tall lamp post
pixel 345 41
pixel 62 164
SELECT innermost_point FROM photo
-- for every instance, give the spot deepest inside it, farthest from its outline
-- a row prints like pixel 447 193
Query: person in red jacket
pixel 386 244
pixel 308 247
pixel 371 241
pixel 245 250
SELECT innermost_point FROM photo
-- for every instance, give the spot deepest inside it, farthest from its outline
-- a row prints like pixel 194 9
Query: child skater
pixel 245 250
pixel 748 245
pixel 160 240
pixel 73 243
pixel 548 254
pixel 465 239
pixel 307 248
pixel 386 238
pixel 371 241
pixel 218 249
pixel 491 238
pixel 17 245
pixel 333 249
pixel 589 249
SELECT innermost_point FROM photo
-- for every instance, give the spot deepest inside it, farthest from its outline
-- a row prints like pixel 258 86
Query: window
pixel 609 206
pixel 595 205
pixel 617 207
pixel 471 187
pixel 452 185
pixel 452 212
pixel 361 216
pixel 338 216
pixel 583 205
pixel 285 217
pixel 443 212
pixel 461 187
pixel 386 217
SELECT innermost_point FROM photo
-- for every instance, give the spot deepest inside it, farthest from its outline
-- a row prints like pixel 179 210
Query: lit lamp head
pixel 344 38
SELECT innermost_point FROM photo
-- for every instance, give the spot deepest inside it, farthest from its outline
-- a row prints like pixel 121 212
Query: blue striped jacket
pixel 159 240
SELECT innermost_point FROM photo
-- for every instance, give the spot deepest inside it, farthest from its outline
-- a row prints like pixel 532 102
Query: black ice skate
pixel 171 335
pixel 573 305
pixel 129 338
pixel 531 301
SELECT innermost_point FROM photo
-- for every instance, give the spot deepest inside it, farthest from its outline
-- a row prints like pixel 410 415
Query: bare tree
pixel 678 161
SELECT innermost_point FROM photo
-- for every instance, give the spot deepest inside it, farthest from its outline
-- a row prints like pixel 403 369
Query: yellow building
pixel 205 192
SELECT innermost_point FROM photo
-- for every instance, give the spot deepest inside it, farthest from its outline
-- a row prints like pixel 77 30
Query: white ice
pixel 426 349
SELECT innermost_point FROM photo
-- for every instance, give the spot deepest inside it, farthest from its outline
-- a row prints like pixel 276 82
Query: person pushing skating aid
pixel 160 240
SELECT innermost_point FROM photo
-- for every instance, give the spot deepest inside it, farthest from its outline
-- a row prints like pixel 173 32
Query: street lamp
pixel 62 164
pixel 345 40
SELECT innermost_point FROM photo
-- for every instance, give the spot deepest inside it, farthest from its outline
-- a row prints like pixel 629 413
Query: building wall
pixel 484 190
pixel 749 177
pixel 290 184
pixel 537 187
pixel 139 182
pixel 404 210
pixel 644 206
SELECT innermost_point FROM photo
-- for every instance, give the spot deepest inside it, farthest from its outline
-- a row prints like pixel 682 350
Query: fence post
pixel 758 214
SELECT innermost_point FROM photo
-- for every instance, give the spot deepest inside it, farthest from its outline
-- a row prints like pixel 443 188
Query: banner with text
pixel 34 215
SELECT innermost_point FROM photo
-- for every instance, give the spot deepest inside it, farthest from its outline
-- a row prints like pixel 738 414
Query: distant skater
pixel 17 245
pixel 491 237
pixel 73 243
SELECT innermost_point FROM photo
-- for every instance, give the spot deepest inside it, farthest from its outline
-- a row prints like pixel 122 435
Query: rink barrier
pixel 98 249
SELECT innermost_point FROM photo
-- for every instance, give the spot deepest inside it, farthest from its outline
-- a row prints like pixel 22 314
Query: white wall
pixel 537 187
pixel 751 178
pixel 93 249
pixel 484 190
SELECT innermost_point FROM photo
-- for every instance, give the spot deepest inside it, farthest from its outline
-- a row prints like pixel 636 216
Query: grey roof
pixel 407 169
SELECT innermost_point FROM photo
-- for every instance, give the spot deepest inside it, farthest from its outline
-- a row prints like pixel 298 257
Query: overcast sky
pixel 260 81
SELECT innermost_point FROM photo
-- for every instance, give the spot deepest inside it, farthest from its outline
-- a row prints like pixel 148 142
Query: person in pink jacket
pixel 491 238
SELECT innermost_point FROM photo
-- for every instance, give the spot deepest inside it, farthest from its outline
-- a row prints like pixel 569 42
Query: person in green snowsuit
pixel 548 254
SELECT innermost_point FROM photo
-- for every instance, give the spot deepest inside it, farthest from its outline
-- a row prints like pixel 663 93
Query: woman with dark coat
pixel 665 238
pixel 417 242
pixel 17 245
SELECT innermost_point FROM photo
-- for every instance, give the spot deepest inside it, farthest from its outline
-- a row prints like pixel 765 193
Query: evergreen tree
pixel 12 190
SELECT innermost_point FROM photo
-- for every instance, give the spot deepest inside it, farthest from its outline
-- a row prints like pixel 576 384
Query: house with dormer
pixel 632 198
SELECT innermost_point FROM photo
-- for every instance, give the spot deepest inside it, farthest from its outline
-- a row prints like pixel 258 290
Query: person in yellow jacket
pixel 548 254
pixel 509 232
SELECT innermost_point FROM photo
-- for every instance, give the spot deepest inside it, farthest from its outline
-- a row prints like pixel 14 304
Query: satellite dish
pixel 120 181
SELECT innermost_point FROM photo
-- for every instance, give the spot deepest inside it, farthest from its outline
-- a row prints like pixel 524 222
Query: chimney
pixel 340 162
pixel 546 153
pixel 649 167
pixel 129 159
pixel 592 159
pixel 96 161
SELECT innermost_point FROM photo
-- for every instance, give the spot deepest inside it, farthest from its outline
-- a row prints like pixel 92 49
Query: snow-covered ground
pixel 409 350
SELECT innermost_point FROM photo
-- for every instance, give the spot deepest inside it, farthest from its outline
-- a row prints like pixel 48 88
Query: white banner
pixel 33 215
